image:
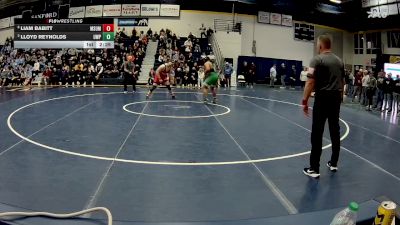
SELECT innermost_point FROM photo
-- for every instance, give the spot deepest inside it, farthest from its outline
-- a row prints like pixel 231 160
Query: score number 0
pixel 108 32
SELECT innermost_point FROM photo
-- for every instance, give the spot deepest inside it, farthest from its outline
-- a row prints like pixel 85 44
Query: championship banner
pixel 287 20
pixel 112 10
pixel 150 10
pixel 133 22
pixel 130 10
pixel 263 17
pixel 94 11
pixel 170 10
pixel 5 22
pixel 276 18
pixel 76 12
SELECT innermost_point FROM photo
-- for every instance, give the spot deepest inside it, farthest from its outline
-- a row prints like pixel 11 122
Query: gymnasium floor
pixel 64 150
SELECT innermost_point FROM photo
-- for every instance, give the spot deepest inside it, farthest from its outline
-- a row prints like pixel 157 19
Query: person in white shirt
pixel 303 76
pixel 272 75
pixel 188 45
pixel 364 81
pixel 36 68
pixel 99 70
pixel 200 77
pixel 203 31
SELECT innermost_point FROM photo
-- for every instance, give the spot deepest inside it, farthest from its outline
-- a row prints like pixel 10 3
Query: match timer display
pixel 64 33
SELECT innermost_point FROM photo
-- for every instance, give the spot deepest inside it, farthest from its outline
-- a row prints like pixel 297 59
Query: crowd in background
pixel 376 92
pixel 69 67
pixel 188 55
pixel 75 67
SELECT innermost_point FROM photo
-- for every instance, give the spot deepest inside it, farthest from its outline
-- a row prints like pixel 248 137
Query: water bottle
pixel 347 216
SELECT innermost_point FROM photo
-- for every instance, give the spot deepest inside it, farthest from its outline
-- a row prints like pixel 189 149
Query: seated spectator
pixel 150 33
pixel 188 45
pixel 99 71
pixel 47 75
pixel 191 36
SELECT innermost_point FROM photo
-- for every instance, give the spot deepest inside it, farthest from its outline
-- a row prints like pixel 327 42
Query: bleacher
pixel 204 46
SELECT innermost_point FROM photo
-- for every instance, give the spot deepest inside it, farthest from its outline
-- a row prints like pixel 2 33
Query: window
pixel 393 38
pixel 358 43
pixel 373 42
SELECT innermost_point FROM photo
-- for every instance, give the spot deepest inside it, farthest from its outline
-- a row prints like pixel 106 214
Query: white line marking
pixel 374 132
pixel 270 184
pixel 298 125
pixel 125 107
pixel 371 163
pixel 45 127
pixel 347 131
pixel 150 162
pixel 92 200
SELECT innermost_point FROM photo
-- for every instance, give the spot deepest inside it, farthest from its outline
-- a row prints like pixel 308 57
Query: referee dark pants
pixel 326 107
pixel 129 80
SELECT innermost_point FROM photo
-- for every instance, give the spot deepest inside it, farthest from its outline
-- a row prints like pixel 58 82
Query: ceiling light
pixel 336 1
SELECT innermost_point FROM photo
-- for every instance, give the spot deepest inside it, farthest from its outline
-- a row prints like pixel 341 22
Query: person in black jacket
pixel 396 93
pixel 388 93
pixel 282 74
pixel 380 93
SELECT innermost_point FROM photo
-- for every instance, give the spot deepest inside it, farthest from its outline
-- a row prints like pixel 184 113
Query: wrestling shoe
pixel 331 168
pixel 311 173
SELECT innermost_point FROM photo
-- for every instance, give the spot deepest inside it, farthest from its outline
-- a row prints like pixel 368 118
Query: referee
pixel 326 77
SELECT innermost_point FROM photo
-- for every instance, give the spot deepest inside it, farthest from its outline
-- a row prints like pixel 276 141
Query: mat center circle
pixel 176 109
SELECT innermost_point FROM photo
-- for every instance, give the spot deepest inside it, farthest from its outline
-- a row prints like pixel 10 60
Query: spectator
pixel 99 71
pixel 364 82
pixel 388 93
pixel 151 77
pixel 371 89
pixel 358 86
pixel 134 33
pixel 188 45
pixel 303 76
pixel 210 32
pixel 293 75
pixel 191 36
pixel 150 33
pixel 380 92
pixel 396 94
pixel 228 70
pixel 200 77
pixel 48 76
pixel 251 75
pixel 203 31
pixel 350 88
pixel 282 73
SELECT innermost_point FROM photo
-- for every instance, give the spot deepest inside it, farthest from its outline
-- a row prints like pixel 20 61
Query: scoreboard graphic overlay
pixel 64 33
